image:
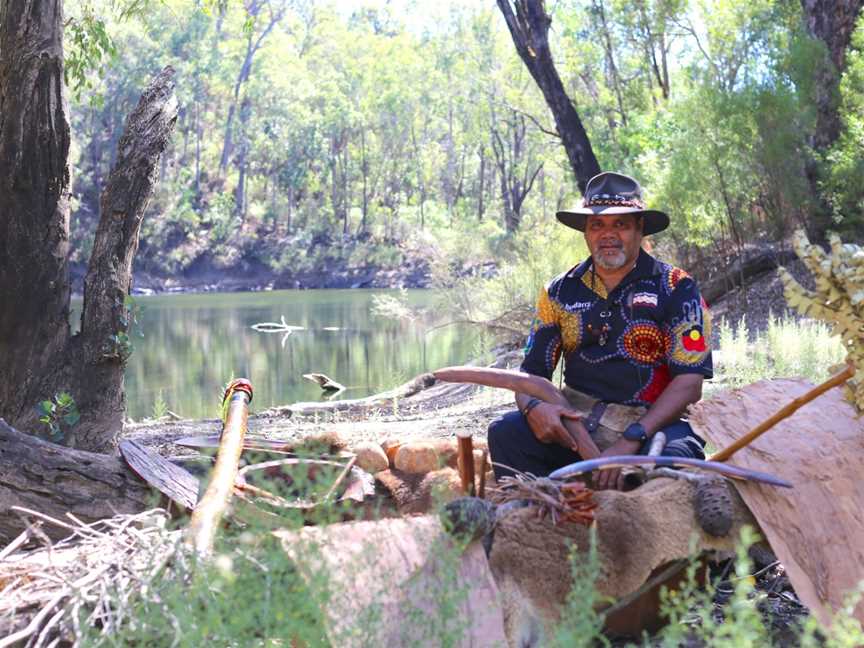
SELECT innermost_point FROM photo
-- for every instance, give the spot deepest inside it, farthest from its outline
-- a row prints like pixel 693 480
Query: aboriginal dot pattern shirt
pixel 627 345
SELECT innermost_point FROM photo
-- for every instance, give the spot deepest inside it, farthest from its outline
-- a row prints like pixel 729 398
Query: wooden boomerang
pixel 640 460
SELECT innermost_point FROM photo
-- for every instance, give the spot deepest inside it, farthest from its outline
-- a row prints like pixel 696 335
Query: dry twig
pixel 88 579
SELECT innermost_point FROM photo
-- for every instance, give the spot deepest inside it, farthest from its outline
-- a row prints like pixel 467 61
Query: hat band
pixel 613 200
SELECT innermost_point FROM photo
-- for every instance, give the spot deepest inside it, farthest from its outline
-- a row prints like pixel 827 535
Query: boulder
pixel 371 457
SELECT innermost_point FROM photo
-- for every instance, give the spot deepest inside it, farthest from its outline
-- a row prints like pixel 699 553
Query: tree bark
pixel 529 27
pixel 38 357
pixel 55 480
pixel 34 208
pixel 832 22
pixel 100 351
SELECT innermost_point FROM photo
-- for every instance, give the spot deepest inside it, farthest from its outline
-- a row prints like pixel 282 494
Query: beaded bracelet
pixel 534 402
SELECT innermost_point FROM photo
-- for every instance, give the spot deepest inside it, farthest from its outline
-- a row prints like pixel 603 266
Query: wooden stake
pixel 209 511
pixel 783 413
pixel 466 461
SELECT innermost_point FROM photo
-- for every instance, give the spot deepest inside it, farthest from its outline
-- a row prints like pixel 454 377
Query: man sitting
pixel 634 334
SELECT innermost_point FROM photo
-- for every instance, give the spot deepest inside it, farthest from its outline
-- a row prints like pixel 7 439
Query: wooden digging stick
pixel 782 413
pixel 466 461
pixel 209 511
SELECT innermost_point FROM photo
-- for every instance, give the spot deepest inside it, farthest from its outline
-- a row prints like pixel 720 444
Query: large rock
pixel 371 457
pixel 416 457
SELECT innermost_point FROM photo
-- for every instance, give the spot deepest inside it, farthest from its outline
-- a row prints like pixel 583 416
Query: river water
pixel 193 344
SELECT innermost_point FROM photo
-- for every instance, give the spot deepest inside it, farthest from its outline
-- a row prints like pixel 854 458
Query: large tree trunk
pixel 38 358
pixel 55 480
pixel 832 22
pixel 98 354
pixel 34 200
pixel 529 27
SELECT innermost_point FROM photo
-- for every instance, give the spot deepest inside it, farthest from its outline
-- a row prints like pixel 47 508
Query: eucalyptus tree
pixel 529 23
pixel 39 357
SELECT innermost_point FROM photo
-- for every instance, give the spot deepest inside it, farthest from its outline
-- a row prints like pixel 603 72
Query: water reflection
pixel 193 344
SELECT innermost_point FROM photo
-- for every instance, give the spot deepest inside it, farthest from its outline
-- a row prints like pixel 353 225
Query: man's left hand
pixel 611 477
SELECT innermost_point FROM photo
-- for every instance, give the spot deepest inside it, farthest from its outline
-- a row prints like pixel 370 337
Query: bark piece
pixel 816 529
pixel 55 480
pixel 393 584
pixel 176 483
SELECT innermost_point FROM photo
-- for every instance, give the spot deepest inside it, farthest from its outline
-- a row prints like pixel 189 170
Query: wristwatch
pixel 635 432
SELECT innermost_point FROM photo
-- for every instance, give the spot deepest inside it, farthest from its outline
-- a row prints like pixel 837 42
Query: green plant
pixel 60 414
pixel 160 407
pixel 692 614
pixel 581 623
pixel 787 348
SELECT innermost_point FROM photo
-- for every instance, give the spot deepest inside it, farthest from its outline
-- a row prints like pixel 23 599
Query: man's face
pixel 614 240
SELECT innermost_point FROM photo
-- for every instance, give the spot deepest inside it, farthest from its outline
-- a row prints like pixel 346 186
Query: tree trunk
pixel 529 27
pixel 34 209
pixel 832 22
pixel 253 44
pixel 38 357
pixel 55 480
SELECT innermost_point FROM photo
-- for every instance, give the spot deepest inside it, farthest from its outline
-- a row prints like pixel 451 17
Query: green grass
pixel 788 348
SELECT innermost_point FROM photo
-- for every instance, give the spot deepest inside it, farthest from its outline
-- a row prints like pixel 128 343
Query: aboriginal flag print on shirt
pixel 627 345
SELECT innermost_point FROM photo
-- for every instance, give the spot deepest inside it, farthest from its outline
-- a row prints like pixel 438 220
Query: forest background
pixel 319 142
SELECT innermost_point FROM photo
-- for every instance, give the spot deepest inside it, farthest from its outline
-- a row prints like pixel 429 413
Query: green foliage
pixel 160 407
pixel 60 414
pixel 581 625
pixel 787 348
pixel 368 125
pixel 844 162
pixel 691 612
pixel 695 619
pixel 505 302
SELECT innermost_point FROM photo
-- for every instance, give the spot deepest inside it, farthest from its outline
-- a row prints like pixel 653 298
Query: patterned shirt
pixel 627 345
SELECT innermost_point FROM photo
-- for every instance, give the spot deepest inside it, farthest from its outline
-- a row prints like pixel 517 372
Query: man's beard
pixel 610 263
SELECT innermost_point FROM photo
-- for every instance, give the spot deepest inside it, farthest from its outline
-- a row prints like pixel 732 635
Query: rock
pixel 446 450
pixel 416 457
pixel 371 457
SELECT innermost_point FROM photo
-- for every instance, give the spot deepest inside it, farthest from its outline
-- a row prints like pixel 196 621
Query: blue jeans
pixel 513 444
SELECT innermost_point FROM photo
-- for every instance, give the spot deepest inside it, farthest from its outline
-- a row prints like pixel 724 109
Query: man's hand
pixel 547 423
pixel 612 477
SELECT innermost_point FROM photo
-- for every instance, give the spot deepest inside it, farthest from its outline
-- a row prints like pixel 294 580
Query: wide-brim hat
pixel 608 194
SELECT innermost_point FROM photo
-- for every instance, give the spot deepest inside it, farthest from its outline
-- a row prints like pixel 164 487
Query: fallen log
pixel 54 480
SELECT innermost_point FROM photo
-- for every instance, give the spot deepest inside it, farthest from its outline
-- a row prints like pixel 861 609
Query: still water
pixel 193 344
